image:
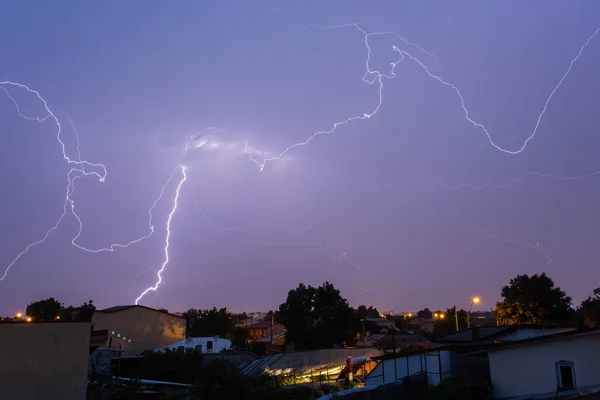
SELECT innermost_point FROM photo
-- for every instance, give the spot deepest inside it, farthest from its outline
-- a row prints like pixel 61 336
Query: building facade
pixel 46 360
pixel 546 365
pixel 134 329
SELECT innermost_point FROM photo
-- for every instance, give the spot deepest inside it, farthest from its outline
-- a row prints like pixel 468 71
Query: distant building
pixel 204 345
pixel 386 341
pixel 136 328
pixel 422 324
pixel 46 360
pixel 262 329
pixel 382 323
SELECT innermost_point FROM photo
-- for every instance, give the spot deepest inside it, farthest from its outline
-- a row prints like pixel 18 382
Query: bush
pixel 461 388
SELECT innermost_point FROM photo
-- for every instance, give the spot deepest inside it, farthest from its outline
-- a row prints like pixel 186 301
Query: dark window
pixel 209 346
pixel 565 375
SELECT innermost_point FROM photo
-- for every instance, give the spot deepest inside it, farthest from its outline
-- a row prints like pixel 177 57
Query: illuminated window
pixel 565 375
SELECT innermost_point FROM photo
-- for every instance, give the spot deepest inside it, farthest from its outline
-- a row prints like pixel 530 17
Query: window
pixel 565 375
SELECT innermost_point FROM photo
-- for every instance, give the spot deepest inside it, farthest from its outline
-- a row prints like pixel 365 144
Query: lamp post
pixel 363 331
pixel 474 300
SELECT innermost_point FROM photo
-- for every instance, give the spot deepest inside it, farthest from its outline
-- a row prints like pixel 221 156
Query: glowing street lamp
pixel 28 319
pixel 19 315
pixel 474 300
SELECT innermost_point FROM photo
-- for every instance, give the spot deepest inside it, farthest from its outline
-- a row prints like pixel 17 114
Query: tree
pixel 44 310
pixel 590 308
pixel 213 322
pixel 425 313
pixel 533 300
pixel 82 313
pixel 316 317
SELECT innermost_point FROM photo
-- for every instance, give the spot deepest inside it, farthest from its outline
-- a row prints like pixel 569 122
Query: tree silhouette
pixel 316 317
pixel 533 300
pixel 591 309
pixel 44 310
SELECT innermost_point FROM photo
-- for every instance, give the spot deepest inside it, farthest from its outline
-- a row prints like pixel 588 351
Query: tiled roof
pixel 262 324
pixel 218 344
pixel 466 335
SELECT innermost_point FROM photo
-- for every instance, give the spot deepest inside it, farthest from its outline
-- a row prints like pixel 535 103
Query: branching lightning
pixel 80 168
pixel 167 238
pixel 372 76
pixel 532 246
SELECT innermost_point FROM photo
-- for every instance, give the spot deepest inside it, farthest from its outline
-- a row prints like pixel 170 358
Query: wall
pixel 44 360
pixel 530 369
pixel 146 328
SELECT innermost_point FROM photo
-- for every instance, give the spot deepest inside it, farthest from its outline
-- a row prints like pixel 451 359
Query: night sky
pixel 414 207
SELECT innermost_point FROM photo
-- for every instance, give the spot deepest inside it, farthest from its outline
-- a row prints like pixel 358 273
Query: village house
pixel 478 351
pixel 264 328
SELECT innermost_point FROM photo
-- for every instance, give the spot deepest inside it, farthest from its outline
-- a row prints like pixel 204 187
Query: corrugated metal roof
pixel 258 367
pixel 218 344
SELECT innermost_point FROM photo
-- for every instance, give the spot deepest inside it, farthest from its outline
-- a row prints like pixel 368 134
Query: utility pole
pixel 456 317
pixel 272 323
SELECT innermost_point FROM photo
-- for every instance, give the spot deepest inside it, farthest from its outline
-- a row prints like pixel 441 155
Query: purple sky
pixel 381 207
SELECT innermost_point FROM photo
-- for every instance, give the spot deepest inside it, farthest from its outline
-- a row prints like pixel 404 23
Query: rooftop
pixel 115 309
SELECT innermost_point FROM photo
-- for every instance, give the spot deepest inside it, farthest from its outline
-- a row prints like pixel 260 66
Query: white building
pixel 462 352
pixel 543 367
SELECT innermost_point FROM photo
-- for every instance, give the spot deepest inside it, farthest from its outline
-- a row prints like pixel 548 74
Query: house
pixel 482 318
pixel 204 345
pixel 382 323
pixel 386 341
pixel 136 328
pixel 45 360
pixel 547 366
pixel 462 352
pixel 275 344
pixel 422 324
pixel 263 329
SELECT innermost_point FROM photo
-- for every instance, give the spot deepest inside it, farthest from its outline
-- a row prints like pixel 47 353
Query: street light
pixel 474 300
pixel 28 319
pixel 19 315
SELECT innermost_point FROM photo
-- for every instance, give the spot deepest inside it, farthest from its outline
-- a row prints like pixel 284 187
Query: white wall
pixel 406 366
pixel 524 333
pixel 530 369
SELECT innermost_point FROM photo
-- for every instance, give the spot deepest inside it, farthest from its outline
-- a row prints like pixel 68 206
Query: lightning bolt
pixel 375 76
pixel 521 178
pixel 77 170
pixel 167 238
pixel 370 77
pixel 532 246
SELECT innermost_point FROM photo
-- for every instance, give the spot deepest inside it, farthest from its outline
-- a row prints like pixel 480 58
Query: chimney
pixel 475 334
